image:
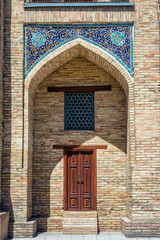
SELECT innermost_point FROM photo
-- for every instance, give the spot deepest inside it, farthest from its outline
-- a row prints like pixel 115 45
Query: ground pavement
pixel 100 236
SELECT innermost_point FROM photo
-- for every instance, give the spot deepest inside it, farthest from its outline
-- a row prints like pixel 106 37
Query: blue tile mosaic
pixel 118 38
pixel 40 40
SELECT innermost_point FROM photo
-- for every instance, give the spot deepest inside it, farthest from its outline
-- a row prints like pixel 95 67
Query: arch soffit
pixel 71 50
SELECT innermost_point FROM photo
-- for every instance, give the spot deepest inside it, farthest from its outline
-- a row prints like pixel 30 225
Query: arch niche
pixel 52 62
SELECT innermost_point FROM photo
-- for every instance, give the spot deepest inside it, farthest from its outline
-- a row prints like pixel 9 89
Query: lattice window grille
pixel 79 111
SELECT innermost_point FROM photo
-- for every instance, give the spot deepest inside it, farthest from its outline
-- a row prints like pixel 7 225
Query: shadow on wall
pixel 110 130
pixel 48 187
pixel 6 154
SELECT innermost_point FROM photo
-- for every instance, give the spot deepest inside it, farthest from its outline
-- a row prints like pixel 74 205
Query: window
pixel 79 111
pixel 79 105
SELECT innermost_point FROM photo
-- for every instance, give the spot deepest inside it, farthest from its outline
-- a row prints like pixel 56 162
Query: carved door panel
pixel 80 186
pixel 86 180
pixel 73 185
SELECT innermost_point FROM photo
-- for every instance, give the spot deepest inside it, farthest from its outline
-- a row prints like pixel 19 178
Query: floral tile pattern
pixel 40 40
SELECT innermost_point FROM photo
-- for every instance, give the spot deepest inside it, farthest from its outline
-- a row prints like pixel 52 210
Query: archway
pixel 51 63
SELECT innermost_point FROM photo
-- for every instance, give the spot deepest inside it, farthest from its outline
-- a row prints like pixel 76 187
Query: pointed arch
pixel 59 57
pixel 72 49
pixel 85 40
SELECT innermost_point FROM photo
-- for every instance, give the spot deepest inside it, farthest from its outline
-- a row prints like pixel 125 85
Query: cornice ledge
pixel 82 4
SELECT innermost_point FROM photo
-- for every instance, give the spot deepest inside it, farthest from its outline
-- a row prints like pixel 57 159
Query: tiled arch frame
pixel 52 62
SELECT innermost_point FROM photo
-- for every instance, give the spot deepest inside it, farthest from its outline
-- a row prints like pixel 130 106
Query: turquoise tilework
pixel 40 40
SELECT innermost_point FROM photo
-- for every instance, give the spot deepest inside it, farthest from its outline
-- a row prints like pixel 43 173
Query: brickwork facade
pixel 126 119
pixel 4 216
pixel 1 80
pixel 110 129
pixel 73 222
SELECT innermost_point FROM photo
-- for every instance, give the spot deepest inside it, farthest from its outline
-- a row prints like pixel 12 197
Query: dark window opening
pixel 79 111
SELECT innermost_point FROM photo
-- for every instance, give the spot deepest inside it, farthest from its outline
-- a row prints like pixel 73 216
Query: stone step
pixel 78 223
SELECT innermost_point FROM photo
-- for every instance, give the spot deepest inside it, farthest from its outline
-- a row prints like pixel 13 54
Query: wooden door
pixel 79 181
pixel 73 184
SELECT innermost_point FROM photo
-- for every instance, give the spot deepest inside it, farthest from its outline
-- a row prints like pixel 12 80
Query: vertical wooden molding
pixel 95 179
pixel 65 179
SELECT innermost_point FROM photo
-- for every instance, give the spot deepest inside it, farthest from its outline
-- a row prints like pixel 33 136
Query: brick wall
pixel 142 165
pixel 17 177
pixel 4 216
pixel 145 175
pixel 14 179
pixel 110 129
pixel 144 208
pixel 1 79
pixel 92 15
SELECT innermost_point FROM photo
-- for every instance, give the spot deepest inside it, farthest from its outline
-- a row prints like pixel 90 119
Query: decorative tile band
pixel 78 4
pixel 40 40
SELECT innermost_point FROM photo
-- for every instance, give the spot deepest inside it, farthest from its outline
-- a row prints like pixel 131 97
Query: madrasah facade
pixel 79 117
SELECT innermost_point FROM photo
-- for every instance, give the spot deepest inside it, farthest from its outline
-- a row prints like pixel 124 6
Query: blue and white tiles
pixel 40 40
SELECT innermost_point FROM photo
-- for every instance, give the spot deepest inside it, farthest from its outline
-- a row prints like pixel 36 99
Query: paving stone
pixel 115 236
pixel 90 237
pixel 50 237
pixel 143 238
pixel 68 237
pixel 101 236
pixel 77 237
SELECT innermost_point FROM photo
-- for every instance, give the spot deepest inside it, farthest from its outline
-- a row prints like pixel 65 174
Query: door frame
pixel 65 175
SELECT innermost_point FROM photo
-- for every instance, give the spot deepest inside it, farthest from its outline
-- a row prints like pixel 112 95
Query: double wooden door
pixel 80 181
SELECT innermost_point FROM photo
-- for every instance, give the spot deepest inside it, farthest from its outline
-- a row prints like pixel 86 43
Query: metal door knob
pixel 82 181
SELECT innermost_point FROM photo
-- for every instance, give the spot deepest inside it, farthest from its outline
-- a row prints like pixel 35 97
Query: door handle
pixel 82 181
